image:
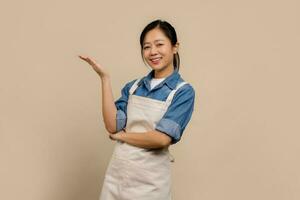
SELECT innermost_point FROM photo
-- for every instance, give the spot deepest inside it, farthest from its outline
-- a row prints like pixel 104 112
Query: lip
pixel 155 58
pixel 155 62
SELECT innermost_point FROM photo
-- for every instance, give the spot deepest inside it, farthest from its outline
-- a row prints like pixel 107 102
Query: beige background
pixel 242 57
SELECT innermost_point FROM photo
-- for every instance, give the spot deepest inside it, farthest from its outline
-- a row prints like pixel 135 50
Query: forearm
pixel 109 109
pixel 151 139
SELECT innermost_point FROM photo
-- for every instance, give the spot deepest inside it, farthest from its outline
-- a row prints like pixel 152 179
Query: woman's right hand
pixel 96 66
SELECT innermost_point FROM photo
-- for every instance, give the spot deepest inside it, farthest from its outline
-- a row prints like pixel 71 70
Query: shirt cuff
pixel 120 120
pixel 171 128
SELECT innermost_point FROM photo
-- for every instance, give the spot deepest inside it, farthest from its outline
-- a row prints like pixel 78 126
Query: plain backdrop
pixel 242 58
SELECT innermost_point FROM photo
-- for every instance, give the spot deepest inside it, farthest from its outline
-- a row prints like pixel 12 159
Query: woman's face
pixel 158 50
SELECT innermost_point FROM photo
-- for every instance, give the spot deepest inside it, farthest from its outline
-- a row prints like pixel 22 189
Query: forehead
pixel 155 35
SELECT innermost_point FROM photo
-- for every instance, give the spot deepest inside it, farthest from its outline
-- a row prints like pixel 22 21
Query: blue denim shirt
pixel 178 113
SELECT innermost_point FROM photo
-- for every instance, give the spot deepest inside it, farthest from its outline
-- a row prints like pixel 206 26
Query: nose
pixel 153 51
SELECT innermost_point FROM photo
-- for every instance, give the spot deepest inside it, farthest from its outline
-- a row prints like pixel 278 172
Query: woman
pixel 150 115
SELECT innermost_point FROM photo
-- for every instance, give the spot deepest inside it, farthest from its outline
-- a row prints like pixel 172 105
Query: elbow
pixel 111 129
pixel 165 141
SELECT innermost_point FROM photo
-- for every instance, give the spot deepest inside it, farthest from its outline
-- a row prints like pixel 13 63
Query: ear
pixel 175 48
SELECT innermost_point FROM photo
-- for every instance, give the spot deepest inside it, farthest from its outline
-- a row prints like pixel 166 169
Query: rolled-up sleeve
pixel 121 105
pixel 178 114
pixel 120 120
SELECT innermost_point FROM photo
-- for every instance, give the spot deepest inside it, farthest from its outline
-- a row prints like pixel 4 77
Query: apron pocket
pixel 137 176
pixel 146 184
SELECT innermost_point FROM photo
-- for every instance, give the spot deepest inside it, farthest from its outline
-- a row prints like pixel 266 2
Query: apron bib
pixel 135 173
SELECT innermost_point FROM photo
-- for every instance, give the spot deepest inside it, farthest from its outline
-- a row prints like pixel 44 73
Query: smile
pixel 155 60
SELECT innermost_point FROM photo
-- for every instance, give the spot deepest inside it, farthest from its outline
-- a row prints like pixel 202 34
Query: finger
pixel 112 138
pixel 91 60
pixel 82 57
pixel 87 59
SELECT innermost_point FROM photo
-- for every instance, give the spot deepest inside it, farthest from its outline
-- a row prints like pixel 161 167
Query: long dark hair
pixel 170 33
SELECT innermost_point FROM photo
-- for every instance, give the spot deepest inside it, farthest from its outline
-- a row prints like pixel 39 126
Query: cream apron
pixel 135 173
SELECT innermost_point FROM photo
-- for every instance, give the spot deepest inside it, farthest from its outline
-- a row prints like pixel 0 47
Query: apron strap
pixel 172 93
pixel 134 86
pixel 170 96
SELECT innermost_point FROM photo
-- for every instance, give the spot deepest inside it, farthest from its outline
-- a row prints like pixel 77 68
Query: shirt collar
pixel 170 81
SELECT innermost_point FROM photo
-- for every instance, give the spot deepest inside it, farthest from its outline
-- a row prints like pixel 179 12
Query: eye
pixel 145 47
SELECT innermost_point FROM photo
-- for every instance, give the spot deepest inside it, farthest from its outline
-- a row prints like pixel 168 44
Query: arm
pixel 109 109
pixel 179 113
pixel 169 129
pixel 108 106
pixel 150 139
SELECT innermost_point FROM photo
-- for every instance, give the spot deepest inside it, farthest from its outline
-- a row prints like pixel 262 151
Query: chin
pixel 157 67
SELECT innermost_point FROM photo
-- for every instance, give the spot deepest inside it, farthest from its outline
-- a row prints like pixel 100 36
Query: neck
pixel 164 72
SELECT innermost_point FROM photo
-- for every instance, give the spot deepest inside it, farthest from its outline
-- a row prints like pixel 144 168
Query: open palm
pixel 96 66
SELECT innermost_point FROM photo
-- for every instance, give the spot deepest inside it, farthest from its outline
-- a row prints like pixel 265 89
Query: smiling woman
pixel 159 48
pixel 159 52
pixel 151 114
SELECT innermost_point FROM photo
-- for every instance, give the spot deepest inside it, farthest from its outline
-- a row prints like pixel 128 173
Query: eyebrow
pixel 154 41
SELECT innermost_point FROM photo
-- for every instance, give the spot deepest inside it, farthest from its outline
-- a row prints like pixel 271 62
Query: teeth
pixel 156 59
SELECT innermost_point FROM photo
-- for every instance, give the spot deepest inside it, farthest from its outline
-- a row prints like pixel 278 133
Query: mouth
pixel 155 61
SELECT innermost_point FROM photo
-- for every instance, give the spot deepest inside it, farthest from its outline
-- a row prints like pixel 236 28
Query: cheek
pixel 168 55
pixel 146 54
pixel 166 52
